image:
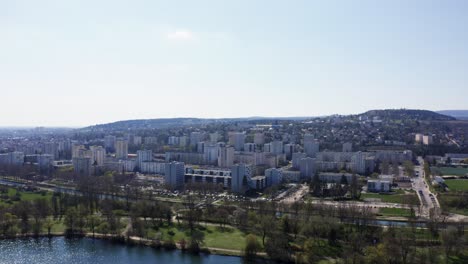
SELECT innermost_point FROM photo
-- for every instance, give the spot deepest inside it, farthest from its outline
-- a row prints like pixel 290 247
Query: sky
pixel 79 62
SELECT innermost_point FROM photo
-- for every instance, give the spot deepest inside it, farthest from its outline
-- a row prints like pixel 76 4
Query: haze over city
pixel 79 63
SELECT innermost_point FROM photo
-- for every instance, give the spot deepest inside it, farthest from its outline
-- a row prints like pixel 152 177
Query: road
pixel 362 204
pixel 297 195
pixel 452 140
pixel 426 197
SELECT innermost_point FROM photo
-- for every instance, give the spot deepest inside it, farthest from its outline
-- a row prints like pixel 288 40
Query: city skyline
pixel 79 64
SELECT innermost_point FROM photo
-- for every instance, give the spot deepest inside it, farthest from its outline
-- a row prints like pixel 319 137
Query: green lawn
pixel 25 196
pixel 215 237
pixel 230 239
pixel 58 227
pixel 457 185
pixel 451 171
pixel 452 203
pixel 398 197
pixel 394 212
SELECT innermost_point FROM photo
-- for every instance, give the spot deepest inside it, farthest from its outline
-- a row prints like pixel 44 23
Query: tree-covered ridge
pixel 387 115
pixel 405 114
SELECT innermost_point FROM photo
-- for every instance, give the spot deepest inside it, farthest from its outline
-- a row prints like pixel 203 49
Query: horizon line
pixel 188 117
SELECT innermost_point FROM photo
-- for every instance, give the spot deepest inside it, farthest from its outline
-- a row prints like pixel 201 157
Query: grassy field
pixel 10 196
pixel 452 203
pixel 215 237
pixel 398 197
pixel 394 212
pixel 58 227
pixel 231 239
pixel 457 185
pixel 450 171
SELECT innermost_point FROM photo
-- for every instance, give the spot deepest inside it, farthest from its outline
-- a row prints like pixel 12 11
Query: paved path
pixel 363 204
pixel 427 199
pixel 297 195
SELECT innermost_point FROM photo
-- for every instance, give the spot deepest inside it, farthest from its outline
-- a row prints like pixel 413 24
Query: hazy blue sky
pixel 87 62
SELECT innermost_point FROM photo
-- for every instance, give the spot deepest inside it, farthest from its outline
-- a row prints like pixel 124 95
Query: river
pixel 86 250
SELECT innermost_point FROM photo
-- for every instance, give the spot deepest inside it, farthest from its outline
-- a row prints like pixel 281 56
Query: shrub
pixel 252 246
pixel 169 244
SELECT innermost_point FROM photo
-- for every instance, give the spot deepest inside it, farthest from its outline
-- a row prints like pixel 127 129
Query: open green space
pixel 58 227
pixel 457 185
pixel 450 171
pixel 455 200
pixel 11 195
pixel 453 203
pixel 397 197
pixel 215 236
pixel 231 238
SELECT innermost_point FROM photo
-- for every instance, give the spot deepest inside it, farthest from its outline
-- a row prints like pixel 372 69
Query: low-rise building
pixel 379 186
pixel 258 183
pixel 290 175
pixel 340 178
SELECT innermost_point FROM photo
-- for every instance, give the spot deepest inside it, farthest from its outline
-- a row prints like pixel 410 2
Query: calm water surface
pixel 86 250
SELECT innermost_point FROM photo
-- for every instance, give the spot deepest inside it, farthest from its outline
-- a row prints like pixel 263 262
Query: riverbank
pixel 134 240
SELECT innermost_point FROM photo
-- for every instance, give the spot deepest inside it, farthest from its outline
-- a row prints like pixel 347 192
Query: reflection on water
pixel 86 250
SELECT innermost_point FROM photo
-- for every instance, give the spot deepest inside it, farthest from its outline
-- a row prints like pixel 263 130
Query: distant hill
pixel 389 114
pixel 458 114
pixel 180 122
pixel 401 114
pixel 149 123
